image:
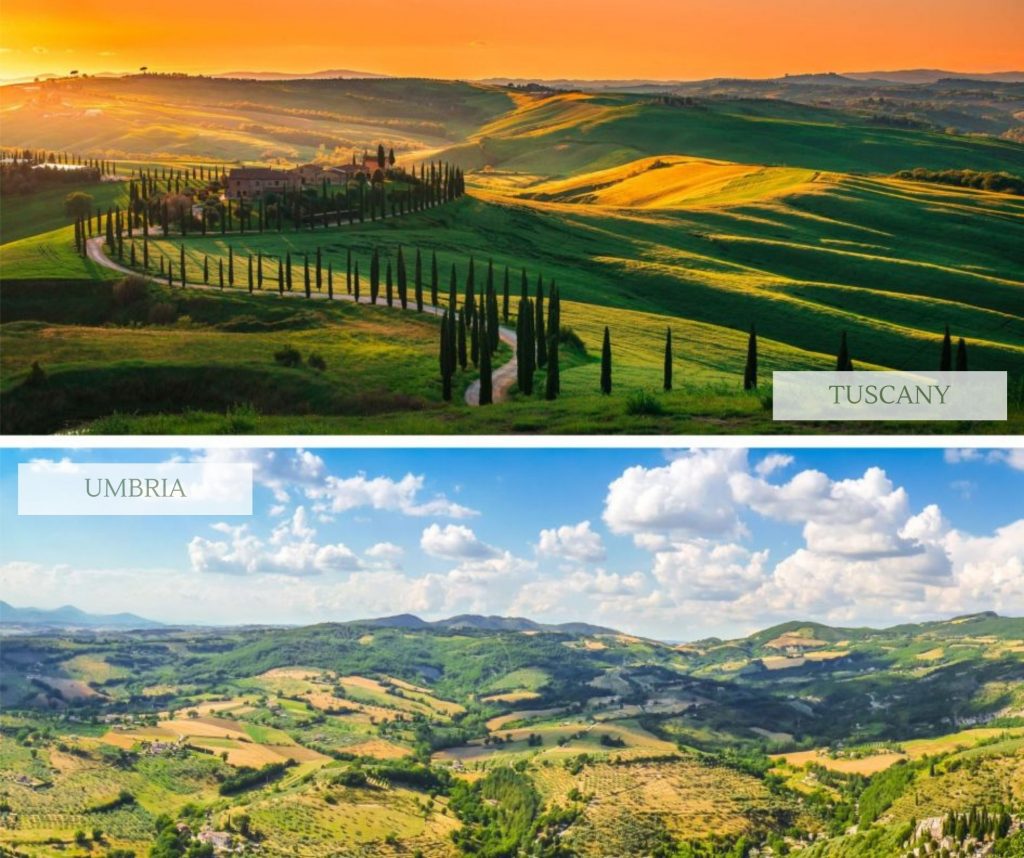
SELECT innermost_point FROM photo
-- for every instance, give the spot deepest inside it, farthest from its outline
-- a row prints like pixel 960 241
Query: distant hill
pixel 481 623
pixel 933 75
pixel 69 616
pixel 326 74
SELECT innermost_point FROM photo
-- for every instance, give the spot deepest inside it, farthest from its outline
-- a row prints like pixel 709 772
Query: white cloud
pixel 1013 458
pixel 454 542
pixel 956 456
pixel 689 497
pixel 291 550
pixel 773 462
pixel 708 571
pixel 572 542
pixel 386 554
pixel 340 494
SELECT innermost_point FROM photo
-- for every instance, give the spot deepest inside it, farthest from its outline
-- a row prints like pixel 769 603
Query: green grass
pixel 26 215
pixel 568 134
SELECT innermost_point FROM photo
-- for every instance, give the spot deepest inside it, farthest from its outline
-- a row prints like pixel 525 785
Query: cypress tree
pixel 131 261
pixel 553 384
pixel 305 274
pixel 280 276
pixel 843 362
pixel 259 269
pixel 220 272
pixel 505 297
pixel 667 383
pixel 250 274
pixel 330 281
pixel 529 349
pixel 486 381
pixel 520 346
pixel 319 270
pixel 110 231
pixel 469 299
pixel 445 360
pixel 403 297
pixel 419 281
pixel 288 270
pixel 474 340
pixel 606 363
pixel 433 277
pixel 961 355
pixel 389 287
pixel 542 343
pixel 374 276
pixel 946 358
pixel 453 295
pixel 231 267
pixel 492 320
pixel 463 360
pixel 355 282
pixel 453 346
pixel 750 369
pixel 523 287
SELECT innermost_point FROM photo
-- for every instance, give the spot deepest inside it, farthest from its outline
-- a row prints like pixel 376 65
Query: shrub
pixel 36 375
pixel 130 290
pixel 642 402
pixel 288 356
pixel 317 362
pixel 163 313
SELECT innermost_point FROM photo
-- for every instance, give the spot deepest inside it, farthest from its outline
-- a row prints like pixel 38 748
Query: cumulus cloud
pixel 1012 458
pixel 575 542
pixel 290 550
pixel 340 494
pixel 706 571
pixel 689 497
pixel 773 462
pixel 386 554
pixel 454 542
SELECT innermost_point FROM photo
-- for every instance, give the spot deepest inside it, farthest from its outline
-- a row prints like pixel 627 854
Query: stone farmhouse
pixel 250 183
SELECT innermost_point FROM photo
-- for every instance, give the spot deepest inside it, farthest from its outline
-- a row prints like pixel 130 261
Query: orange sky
pixel 677 39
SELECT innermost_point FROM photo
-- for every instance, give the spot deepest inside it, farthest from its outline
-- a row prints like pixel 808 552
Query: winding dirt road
pixel 502 378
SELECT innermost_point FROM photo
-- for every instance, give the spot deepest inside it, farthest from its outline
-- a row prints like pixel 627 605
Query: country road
pixel 502 378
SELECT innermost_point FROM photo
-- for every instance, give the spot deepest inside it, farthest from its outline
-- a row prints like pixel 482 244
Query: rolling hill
pixel 703 214
pixel 395 736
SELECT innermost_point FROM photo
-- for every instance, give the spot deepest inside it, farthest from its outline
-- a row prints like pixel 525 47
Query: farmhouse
pixel 252 182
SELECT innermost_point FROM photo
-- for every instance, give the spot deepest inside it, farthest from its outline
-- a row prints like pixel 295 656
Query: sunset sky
pixel 665 39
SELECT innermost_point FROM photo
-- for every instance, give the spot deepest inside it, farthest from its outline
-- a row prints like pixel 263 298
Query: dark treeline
pixel 189 201
pixel 1003 182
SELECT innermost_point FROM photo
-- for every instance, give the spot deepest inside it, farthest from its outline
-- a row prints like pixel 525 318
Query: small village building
pixel 252 182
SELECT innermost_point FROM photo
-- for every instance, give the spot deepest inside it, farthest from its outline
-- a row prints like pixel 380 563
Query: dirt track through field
pixel 502 378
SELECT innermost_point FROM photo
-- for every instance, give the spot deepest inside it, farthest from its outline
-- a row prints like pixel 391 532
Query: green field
pixel 377 737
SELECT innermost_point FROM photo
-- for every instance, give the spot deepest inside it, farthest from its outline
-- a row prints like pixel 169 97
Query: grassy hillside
pixel 208 119
pixel 562 135
pixel 387 739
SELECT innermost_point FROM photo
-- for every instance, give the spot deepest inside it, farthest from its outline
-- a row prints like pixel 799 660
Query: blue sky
pixel 680 544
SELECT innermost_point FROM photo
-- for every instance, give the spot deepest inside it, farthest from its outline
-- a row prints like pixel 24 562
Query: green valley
pixel 490 737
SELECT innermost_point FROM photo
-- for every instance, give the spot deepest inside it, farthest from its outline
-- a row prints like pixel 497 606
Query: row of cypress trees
pixel 537 340
pixel 844 363
pixel 537 334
